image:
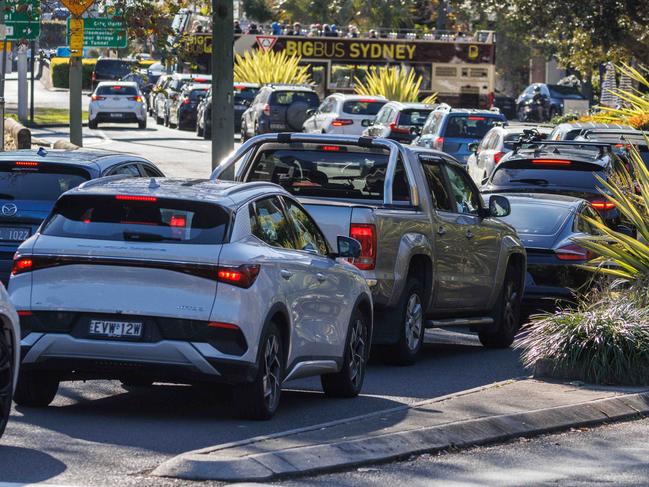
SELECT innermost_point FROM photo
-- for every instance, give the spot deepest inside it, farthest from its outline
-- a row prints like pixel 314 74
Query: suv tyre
pixel 409 313
pixel 507 313
pixel 35 389
pixel 349 381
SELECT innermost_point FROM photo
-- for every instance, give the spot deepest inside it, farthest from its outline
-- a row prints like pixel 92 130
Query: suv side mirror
pixel 415 131
pixel 348 247
pixel 311 111
pixel 473 146
pixel 499 206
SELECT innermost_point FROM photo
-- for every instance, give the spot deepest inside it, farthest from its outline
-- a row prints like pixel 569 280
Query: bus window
pixel 424 71
pixel 343 75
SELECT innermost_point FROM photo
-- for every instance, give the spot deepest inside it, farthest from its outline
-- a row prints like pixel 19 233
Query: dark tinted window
pixel 196 95
pixel 269 224
pixel 307 233
pixel 158 220
pixel 329 174
pixel 117 90
pixel 360 107
pixel 463 195
pixel 536 219
pixel 288 97
pixel 413 118
pixel 579 177
pixel 243 94
pixel 436 185
pixel 470 126
pixel 567 92
pixel 510 139
pixel 113 67
pixel 38 182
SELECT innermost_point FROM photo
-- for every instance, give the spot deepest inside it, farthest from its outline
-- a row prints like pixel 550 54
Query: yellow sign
pixel 76 37
pixel 77 7
pixel 351 50
pixel 473 51
pixel 198 43
pixel 2 46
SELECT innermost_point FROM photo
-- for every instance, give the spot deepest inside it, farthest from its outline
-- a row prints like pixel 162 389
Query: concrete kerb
pixel 259 464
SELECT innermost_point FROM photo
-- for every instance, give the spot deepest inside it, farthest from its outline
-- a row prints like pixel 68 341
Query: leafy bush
pixel 270 67
pixel 604 343
pixel 60 72
pixel 393 83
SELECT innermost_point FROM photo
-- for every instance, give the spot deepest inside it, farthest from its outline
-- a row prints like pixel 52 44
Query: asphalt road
pixel 96 433
pixel 616 454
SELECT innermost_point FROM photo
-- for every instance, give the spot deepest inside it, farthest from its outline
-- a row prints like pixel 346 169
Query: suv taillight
pixel 339 122
pixel 366 235
pixel 97 98
pixel 243 276
pixel 21 265
pixel 267 110
pixel 498 156
pixel 399 130
pixel 573 252
pixel 438 143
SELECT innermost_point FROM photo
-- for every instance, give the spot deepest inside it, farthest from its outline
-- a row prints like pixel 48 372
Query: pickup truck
pixel 433 254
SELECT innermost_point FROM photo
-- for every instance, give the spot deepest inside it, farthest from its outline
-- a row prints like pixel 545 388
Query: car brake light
pixel 138 98
pixel 186 101
pixel 491 98
pixel 128 197
pixel 573 252
pixel 438 143
pixel 339 122
pixel 267 109
pixel 552 162
pixel 21 265
pixel 603 205
pixel 27 164
pixel 243 276
pixel 473 117
pixel 199 80
pixel 178 221
pixel 94 76
pixel 366 235
pixel 222 326
pixel 399 130
pixel 97 98
pixel 24 313
pixel 330 148
pixel 498 156
pixel 367 100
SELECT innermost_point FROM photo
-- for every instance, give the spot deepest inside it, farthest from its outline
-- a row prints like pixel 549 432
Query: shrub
pixel 270 67
pixel 60 72
pixel 603 343
pixel 393 83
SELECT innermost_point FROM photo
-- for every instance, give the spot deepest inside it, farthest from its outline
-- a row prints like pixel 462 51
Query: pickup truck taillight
pixel 399 130
pixel 266 110
pixel 366 235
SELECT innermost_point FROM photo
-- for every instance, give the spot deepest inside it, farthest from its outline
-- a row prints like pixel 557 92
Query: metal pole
pixel 3 7
pixel 31 82
pixel 76 134
pixel 222 80
pixel 22 83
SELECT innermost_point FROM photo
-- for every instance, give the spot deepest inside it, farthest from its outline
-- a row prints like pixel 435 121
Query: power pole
pixel 3 65
pixel 222 80
pixel 76 80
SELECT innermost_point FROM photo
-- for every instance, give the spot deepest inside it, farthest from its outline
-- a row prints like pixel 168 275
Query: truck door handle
pixel 286 274
pixel 469 234
pixel 321 277
pixel 441 230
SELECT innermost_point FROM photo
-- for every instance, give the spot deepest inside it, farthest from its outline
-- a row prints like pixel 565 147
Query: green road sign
pixel 103 32
pixel 23 19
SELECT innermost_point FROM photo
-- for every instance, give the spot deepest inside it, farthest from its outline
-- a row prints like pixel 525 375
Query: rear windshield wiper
pixel 147 237
pixel 535 182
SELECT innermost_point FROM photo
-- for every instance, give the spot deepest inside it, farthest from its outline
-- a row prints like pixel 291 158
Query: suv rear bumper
pixel 165 360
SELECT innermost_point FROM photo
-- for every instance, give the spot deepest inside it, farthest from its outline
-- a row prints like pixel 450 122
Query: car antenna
pixel 41 151
pixel 153 184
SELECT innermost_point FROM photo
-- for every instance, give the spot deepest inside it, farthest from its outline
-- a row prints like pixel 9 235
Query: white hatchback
pixel 344 114
pixel 189 281
pixel 117 102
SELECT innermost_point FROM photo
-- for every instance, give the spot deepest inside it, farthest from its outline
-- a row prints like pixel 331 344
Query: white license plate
pixel 277 126
pixel 116 115
pixel 115 329
pixel 14 234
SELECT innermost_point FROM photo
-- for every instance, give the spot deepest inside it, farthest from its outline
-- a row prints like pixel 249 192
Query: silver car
pixel 184 280
pixel 9 355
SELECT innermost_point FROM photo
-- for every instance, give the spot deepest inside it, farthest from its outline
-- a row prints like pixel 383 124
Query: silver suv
pixel 189 281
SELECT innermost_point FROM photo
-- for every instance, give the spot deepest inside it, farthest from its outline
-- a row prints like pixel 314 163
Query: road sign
pixel 75 27
pixel 266 43
pixel 23 19
pixel 103 32
pixel 77 7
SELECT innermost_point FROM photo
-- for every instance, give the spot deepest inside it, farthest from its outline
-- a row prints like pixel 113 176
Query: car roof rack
pixel 602 146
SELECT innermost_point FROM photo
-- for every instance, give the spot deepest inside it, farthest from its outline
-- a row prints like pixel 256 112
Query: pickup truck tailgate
pixel 334 217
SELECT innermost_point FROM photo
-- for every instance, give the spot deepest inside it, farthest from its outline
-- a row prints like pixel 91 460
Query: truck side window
pixel 466 199
pixel 435 179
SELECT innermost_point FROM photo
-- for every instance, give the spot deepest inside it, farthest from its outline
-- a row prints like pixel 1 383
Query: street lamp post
pixel 222 80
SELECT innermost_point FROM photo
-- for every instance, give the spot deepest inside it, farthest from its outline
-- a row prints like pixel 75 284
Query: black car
pixel 620 139
pixel 278 108
pixel 111 69
pixel 553 97
pixel 399 121
pixel 564 168
pixel 182 109
pixel 572 130
pixel 244 94
pixel 547 225
pixel 31 181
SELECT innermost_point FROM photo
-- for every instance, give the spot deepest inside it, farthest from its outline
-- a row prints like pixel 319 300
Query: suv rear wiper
pixel 147 237
pixel 535 182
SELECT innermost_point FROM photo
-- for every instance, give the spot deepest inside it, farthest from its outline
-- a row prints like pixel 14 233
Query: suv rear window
pixel 244 94
pixel 575 176
pixel 137 219
pixel 288 97
pixel 113 68
pixel 413 118
pixel 360 107
pixel 117 90
pixel 470 126
pixel 39 182
pixel 565 92
pixel 329 173
pixel 195 95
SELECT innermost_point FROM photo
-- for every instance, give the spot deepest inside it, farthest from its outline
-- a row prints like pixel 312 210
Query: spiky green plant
pixel 606 342
pixel 618 254
pixel 393 83
pixel 270 67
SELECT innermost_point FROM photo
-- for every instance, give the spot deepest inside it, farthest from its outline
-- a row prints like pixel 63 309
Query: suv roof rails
pixel 246 186
pixel 602 146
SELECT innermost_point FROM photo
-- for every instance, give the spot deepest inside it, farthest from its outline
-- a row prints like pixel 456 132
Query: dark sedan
pixel 547 225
